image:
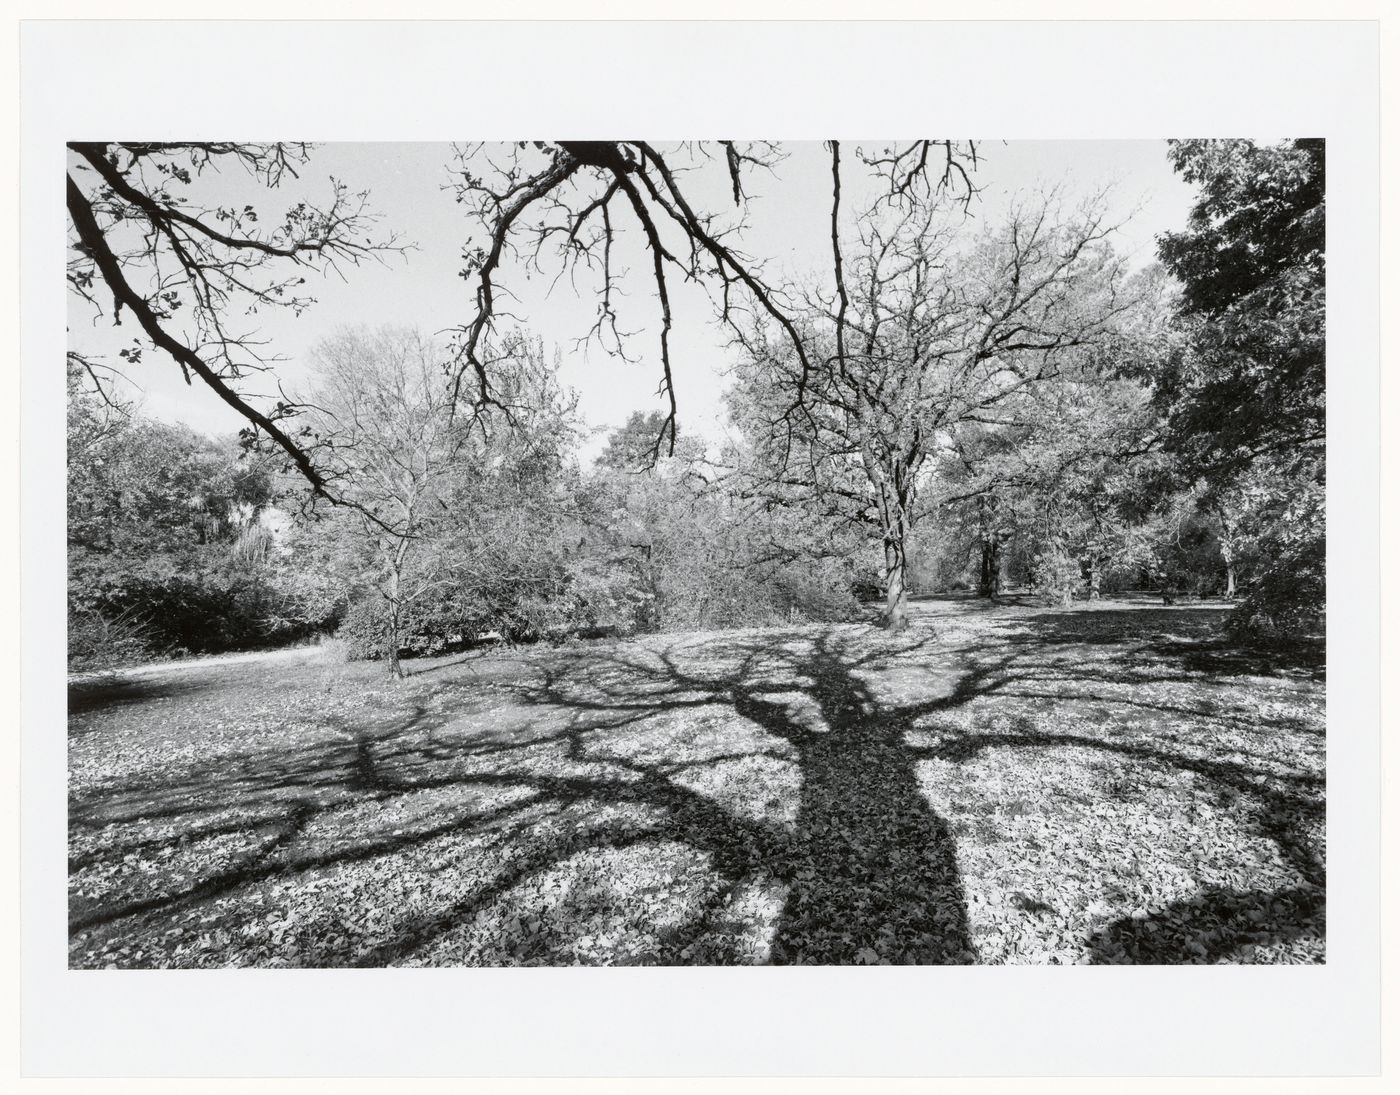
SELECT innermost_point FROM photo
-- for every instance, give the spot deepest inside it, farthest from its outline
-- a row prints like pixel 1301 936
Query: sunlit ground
pixel 1000 784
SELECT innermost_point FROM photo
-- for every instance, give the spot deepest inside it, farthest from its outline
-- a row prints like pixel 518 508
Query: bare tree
pixel 559 207
pixel 433 493
pixel 923 337
pixel 141 238
pixel 142 241
pixel 383 429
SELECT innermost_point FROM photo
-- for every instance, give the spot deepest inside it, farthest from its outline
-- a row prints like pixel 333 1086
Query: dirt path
pixel 156 669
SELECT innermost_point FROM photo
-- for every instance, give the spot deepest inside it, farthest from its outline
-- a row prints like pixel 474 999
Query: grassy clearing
pixel 998 785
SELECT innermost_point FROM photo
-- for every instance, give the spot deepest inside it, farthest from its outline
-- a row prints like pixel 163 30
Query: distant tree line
pixel 979 407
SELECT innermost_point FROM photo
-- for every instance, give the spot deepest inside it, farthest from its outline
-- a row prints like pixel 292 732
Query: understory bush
pixel 826 593
pixel 1287 601
pixel 363 631
pixel 204 610
pixel 711 597
pixel 425 628
pixel 581 600
pixel 593 598
pixel 1055 575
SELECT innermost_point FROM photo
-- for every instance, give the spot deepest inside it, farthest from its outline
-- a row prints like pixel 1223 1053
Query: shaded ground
pixel 179 665
pixel 1000 784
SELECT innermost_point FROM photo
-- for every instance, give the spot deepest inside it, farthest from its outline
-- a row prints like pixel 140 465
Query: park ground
pixel 999 784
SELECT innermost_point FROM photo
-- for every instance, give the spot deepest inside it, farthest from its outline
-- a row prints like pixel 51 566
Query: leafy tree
pixel 386 436
pixel 167 545
pixel 533 564
pixel 453 517
pixel 1251 264
pixel 634 445
pixel 701 553
pixel 1245 395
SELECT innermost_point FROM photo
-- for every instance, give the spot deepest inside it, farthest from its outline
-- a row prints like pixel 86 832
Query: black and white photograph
pixel 898 551
pixel 700 548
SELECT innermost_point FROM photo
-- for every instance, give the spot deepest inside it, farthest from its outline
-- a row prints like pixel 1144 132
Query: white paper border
pixel 427 81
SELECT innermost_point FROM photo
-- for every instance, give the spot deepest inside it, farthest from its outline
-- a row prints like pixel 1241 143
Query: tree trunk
pixel 395 669
pixel 986 580
pixel 896 593
pixel 391 651
pixel 896 495
pixel 990 580
pixel 1227 551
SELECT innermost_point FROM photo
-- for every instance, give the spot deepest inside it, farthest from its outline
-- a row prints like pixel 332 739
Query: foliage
pixel 503 533
pixel 708 557
pixel 1064 496
pixel 1288 599
pixel 1055 576
pixel 935 335
pixel 167 545
pixel 1245 395
pixel 443 505
pixel 635 445
pixel 975 407
pixel 364 632
pixel 1251 380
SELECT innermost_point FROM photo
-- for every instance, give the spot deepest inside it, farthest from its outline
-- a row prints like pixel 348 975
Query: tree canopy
pixel 1250 379
pixel 994 402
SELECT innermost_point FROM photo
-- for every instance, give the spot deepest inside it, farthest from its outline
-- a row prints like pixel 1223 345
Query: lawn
pixel 999 784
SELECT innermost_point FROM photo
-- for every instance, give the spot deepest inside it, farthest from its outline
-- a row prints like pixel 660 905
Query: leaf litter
pixel 1004 786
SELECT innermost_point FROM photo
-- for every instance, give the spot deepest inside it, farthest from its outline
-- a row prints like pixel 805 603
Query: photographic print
pixel 630 552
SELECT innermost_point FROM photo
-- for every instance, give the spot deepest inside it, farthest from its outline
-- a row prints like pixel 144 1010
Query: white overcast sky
pixel 788 227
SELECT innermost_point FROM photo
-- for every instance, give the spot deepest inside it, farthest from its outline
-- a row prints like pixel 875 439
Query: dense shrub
pixel 1055 576
pixel 584 599
pixel 1288 600
pixel 166 527
pixel 363 632
pixel 426 628
pixel 186 603
pixel 823 592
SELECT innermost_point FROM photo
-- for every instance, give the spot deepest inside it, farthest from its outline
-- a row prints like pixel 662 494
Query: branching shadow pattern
pixel 750 797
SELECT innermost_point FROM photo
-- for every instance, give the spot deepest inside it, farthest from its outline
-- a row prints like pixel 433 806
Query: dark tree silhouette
pixel 566 195
pixel 1252 268
pixel 141 238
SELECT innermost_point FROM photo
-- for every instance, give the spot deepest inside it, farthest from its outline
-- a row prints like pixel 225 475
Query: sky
pixel 787 226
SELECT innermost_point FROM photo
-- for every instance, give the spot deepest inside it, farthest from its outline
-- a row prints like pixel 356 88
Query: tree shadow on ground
pixel 1191 638
pixel 1215 923
pixel 113 690
pixel 866 869
pixel 871 869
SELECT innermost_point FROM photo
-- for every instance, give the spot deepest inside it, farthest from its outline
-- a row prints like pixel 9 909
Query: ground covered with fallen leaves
pixel 1107 783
